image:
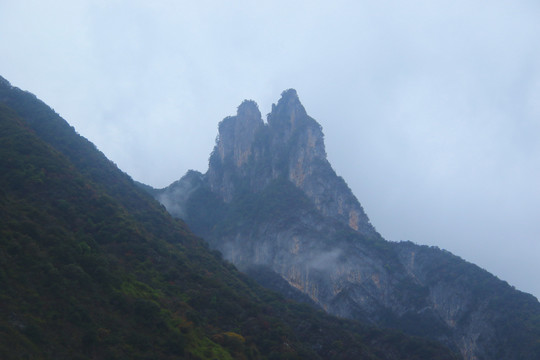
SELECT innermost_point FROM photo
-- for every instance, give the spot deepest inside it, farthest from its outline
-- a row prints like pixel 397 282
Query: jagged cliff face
pixel 250 154
pixel 271 200
pixel 233 150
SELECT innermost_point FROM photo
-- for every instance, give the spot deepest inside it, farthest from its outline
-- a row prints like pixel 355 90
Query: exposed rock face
pixel 234 147
pixel 249 154
pixel 271 200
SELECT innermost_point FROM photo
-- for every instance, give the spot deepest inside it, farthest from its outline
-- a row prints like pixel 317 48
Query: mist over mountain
pixel 271 203
pixel 92 267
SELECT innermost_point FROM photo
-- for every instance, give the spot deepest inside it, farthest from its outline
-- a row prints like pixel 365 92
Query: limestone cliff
pixel 271 200
pixel 249 154
pixel 233 150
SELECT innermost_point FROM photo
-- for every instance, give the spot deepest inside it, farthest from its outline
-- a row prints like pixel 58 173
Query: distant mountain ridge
pixel 270 200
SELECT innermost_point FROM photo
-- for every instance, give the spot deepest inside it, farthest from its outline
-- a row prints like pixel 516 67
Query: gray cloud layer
pixel 431 110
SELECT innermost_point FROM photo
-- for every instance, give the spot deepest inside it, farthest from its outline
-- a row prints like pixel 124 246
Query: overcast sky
pixel 430 109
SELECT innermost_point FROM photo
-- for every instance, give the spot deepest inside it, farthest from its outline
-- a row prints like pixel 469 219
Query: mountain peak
pixel 288 112
pixel 248 108
pixel 289 96
pixel 236 133
pixel 250 154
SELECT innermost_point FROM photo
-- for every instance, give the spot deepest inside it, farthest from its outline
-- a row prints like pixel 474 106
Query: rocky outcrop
pixel 271 201
pixel 249 154
pixel 233 150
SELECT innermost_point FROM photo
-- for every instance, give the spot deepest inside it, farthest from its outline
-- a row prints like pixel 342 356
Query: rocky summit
pixel 290 146
pixel 271 203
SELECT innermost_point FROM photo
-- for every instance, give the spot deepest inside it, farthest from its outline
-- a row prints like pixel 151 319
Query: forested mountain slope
pixel 91 267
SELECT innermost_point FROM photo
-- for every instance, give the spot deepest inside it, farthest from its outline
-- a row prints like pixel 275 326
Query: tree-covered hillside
pixel 91 267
